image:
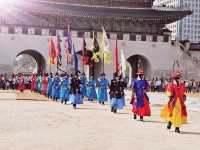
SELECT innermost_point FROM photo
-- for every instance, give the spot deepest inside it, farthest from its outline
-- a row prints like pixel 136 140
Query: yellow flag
pixel 104 47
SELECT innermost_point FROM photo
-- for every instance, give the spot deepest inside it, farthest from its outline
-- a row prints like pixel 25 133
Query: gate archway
pixel 30 59
pixel 138 60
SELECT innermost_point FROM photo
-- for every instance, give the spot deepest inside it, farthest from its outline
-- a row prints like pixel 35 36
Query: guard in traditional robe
pixel 39 83
pixel 102 89
pixel 91 89
pixel 75 97
pixel 49 85
pixel 175 110
pixel 44 84
pixel 65 88
pixel 140 100
pixel 3 82
pixel 12 83
pixel 33 82
pixel 56 87
pixel 117 100
pixel 21 85
pixel 83 84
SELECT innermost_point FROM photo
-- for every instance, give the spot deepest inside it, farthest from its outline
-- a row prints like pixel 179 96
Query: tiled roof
pixel 35 13
pixel 112 12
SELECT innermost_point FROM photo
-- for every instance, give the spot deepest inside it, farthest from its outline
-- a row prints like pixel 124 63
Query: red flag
pixel 117 68
pixel 52 51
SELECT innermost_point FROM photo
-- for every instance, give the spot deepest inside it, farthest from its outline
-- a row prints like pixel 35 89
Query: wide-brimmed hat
pixel 140 72
pixel 176 74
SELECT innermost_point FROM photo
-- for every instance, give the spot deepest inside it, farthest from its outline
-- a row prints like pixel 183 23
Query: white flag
pixel 122 62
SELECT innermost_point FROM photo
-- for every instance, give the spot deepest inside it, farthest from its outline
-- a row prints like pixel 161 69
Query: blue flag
pixel 68 47
pixel 75 59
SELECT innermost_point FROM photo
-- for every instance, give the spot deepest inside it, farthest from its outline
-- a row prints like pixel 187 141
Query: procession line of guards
pixel 73 89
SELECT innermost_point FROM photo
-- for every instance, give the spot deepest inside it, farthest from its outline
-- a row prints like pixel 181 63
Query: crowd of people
pixel 75 88
pixel 159 85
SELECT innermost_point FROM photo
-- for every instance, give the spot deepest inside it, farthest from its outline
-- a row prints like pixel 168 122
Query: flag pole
pixel 57 70
pixel 67 67
pixel 50 53
pixel 93 48
pixel 67 64
pixel 83 53
pixel 103 63
pixel 50 66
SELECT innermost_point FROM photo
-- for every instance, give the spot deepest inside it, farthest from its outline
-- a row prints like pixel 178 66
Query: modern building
pixel 139 28
pixel 189 27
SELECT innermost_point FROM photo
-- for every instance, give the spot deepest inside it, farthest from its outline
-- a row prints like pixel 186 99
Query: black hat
pixel 103 74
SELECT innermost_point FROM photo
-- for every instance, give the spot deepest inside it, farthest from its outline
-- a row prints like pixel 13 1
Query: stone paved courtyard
pixel 34 123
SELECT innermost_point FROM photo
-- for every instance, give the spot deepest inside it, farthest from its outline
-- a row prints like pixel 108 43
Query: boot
pixel 112 109
pixel 169 125
pixel 115 110
pixel 102 103
pixel 74 106
pixel 135 116
pixel 141 118
pixel 177 130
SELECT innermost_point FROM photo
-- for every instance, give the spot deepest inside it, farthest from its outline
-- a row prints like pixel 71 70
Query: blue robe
pixel 139 86
pixel 91 89
pixel 83 85
pixel 102 90
pixel 64 89
pixel 49 86
pixel 56 88
pixel 118 103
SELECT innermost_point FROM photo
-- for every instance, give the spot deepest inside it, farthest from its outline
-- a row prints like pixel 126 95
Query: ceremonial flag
pixel 68 47
pixel 85 58
pixel 122 62
pixel 104 47
pixel 95 49
pixel 58 52
pixel 116 58
pixel 75 59
pixel 52 51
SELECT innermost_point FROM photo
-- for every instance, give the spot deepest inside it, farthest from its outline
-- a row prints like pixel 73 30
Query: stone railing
pixel 187 54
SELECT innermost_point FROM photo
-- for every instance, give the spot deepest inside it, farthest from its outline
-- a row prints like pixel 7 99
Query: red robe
pixel 44 85
pixel 21 85
pixel 33 82
pixel 175 110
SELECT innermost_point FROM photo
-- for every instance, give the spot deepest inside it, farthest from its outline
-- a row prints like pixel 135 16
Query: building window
pixel 120 36
pixel 24 30
pixel 166 38
pixel 38 32
pixel 52 32
pixel 11 30
pixel 143 38
pixel 65 33
pixel 155 39
pixel 80 34
pixel 132 37
pixel 108 35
